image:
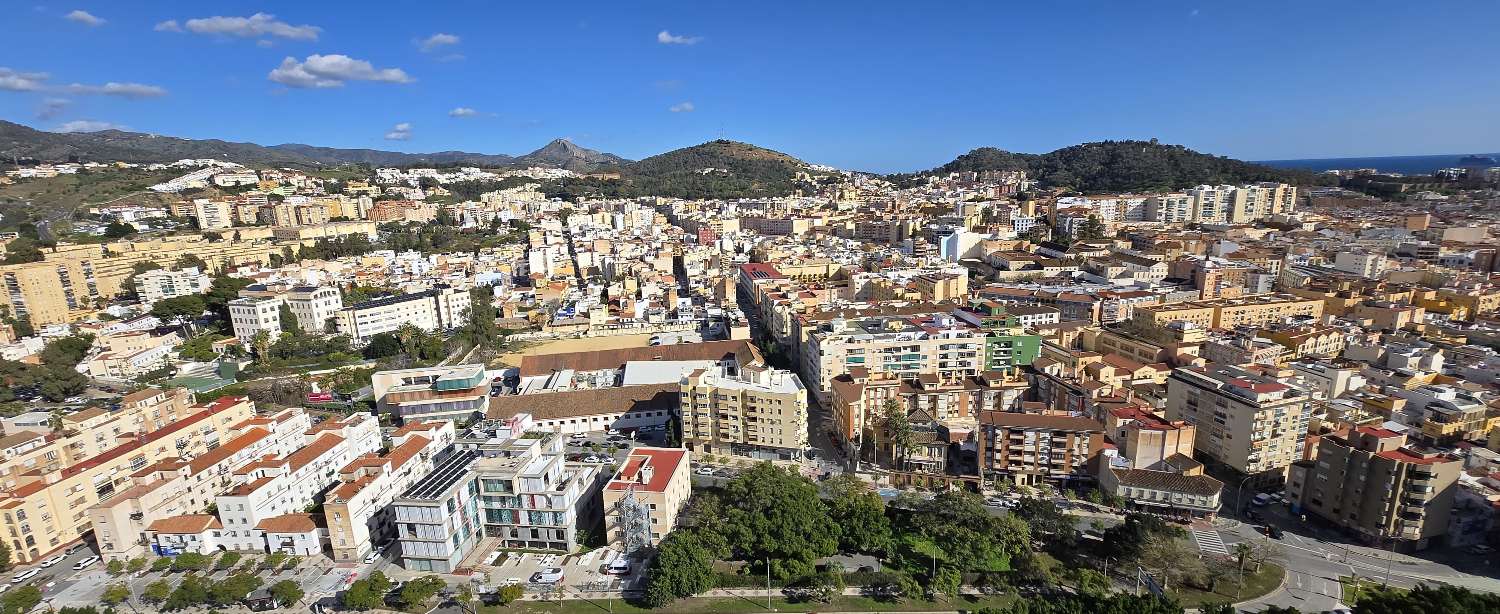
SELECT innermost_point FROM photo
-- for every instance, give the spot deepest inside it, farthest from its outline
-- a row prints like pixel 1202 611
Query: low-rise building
pixel 457 392
pixel 642 501
pixel 1034 448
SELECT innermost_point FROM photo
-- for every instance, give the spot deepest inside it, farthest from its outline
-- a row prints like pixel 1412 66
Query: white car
pixel 52 561
pixel 576 436
pixel 370 558
pixel 705 471
pixel 620 567
pixel 551 575
pixel 80 565
pixel 24 576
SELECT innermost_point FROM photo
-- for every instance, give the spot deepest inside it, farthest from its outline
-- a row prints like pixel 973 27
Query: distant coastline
pixel 1408 165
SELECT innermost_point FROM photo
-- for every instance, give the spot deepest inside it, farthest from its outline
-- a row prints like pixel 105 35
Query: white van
pixel 24 576
pixel 1261 500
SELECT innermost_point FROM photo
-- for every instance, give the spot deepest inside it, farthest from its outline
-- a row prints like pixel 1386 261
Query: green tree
pixel 192 591
pixel 115 567
pixel 1090 582
pixel 288 319
pixel 66 351
pixel 898 431
pixel 947 582
pixel 512 592
pixel 1424 599
pixel 20 600
pixel 4 556
pixel 137 564
pixel 288 592
pixel 1091 229
pixel 234 589
pixel 115 594
pixel 161 564
pixel 418 591
pixel 156 592
pixel 22 250
pixel 776 514
pixel 361 596
pixel 118 230
pixel 683 567
pixel 191 561
pixel 188 260
pixel 227 561
pixel 179 309
pixel 858 514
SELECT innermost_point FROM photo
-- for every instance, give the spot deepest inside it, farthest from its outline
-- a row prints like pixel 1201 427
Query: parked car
pixel 704 470
pixel 620 567
pixel 24 576
pixel 73 548
pixel 52 561
pixel 371 557
pixel 1261 500
pixel 80 565
pixel 1480 549
pixel 576 436
pixel 552 575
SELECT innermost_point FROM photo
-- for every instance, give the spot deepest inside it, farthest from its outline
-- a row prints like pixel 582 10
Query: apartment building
pixel 358 511
pixel 181 486
pixel 275 486
pixel 938 343
pixel 1007 343
pixel 642 500
pixel 1030 449
pixel 1376 484
pixel 859 398
pixel 46 506
pixel 213 215
pixel 441 308
pixel 314 307
pixel 1243 419
pixel 159 284
pixel 76 278
pixel 1224 313
pixel 501 482
pixel 745 410
pixel 456 392
pixel 252 315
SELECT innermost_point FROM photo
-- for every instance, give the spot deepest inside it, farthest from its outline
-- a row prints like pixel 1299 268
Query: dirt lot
pixel 560 346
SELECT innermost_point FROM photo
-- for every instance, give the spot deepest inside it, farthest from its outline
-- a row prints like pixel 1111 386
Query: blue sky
pixel 880 86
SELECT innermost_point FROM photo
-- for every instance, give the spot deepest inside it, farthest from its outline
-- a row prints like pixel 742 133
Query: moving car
pixel 1261 500
pixel 551 575
pixel 370 558
pixel 85 563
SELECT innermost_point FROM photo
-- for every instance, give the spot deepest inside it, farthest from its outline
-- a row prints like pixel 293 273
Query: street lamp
pixel 1239 493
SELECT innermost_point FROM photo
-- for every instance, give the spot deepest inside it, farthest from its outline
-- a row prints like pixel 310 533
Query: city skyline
pixel 888 90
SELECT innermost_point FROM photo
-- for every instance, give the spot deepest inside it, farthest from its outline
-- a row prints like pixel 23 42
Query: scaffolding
pixel 633 521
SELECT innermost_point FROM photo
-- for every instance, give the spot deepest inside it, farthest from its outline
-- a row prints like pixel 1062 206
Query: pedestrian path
pixel 1210 542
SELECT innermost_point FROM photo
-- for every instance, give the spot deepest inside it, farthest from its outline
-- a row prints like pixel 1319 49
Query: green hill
pixel 716 169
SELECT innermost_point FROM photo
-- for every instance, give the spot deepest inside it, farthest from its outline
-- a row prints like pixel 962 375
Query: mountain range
pixel 716 169
pixel 18 141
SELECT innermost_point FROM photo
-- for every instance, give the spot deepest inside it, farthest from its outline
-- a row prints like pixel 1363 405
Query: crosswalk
pixel 1210 542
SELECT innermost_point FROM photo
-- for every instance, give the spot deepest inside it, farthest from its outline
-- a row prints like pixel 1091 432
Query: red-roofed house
pixel 642 501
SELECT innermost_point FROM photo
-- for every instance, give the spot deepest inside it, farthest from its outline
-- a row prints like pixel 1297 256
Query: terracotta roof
pixel 188 523
pixel 85 414
pixel 288 523
pixel 573 403
pixel 312 451
pixel 347 490
pixel 140 395
pixel 224 451
pixel 406 451
pixel 1039 421
pixel 249 487
pixel 662 461
pixel 1201 485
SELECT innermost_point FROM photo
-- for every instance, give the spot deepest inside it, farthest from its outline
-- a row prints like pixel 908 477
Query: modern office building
pixel 751 410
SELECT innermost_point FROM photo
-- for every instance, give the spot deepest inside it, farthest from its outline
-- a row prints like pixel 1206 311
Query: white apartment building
pixel 902 345
pixel 277 486
pixel 1174 208
pixel 1364 264
pixel 213 215
pixel 254 314
pixel 159 284
pixel 314 306
pixel 440 308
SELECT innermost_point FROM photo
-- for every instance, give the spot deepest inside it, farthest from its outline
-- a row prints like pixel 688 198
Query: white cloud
pixel 667 38
pixel 254 26
pixel 322 71
pixel 463 112
pixel 402 132
pixel 681 107
pixel 88 125
pixel 438 40
pixel 17 81
pixel 123 90
pixel 83 17
pixel 52 107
